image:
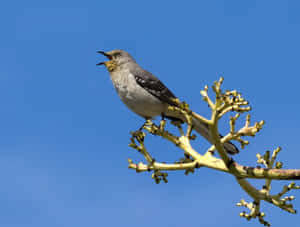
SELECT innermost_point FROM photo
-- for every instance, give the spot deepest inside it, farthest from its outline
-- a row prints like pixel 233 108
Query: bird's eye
pixel 117 55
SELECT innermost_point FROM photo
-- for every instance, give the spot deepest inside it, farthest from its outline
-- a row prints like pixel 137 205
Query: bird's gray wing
pixel 154 86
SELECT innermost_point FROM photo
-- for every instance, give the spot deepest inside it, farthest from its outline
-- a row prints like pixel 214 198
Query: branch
pixel 206 160
pixel 223 103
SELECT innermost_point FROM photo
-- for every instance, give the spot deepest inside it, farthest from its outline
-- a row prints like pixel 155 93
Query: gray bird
pixel 145 94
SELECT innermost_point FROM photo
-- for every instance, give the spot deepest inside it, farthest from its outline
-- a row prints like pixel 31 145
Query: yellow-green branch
pixel 224 102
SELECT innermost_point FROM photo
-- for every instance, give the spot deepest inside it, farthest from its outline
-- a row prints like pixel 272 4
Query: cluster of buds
pixel 254 211
pixel 224 102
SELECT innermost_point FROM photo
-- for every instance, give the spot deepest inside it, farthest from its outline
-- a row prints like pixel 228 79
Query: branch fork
pixel 224 102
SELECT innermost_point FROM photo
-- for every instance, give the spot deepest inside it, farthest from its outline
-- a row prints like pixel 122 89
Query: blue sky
pixel 64 133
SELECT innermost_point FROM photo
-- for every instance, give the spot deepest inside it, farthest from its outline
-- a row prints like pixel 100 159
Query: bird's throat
pixel 111 65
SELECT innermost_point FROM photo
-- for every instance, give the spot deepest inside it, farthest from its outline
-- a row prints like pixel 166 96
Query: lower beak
pixel 101 63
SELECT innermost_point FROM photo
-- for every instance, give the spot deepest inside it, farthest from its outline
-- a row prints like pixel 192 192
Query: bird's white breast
pixel 134 96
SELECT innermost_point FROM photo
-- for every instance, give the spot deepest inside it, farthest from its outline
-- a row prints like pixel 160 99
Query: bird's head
pixel 116 59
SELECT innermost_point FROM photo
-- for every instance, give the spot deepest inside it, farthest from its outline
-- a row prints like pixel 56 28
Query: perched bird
pixel 145 94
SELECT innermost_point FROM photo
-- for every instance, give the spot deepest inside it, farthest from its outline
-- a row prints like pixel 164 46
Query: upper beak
pixel 106 55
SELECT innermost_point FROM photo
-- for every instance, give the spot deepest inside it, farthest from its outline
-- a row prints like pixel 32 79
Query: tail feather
pixel 203 130
pixel 231 148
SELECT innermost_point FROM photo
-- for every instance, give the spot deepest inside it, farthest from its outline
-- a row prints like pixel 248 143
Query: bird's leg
pixel 147 120
pixel 162 122
pixel 138 134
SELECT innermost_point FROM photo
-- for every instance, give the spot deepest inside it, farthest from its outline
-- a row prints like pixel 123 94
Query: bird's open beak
pixel 106 55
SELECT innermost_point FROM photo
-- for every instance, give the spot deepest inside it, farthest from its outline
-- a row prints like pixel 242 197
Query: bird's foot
pixel 138 135
pixel 147 122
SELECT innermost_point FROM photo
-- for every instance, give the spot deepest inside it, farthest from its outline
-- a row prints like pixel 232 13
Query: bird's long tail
pixel 203 130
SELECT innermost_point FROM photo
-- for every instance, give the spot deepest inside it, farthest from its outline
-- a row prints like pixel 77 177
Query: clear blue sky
pixel 64 133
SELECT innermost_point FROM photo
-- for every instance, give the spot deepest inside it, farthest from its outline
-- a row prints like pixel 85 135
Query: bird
pixel 144 94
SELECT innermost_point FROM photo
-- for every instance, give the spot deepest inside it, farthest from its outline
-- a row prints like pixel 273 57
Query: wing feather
pixel 154 86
